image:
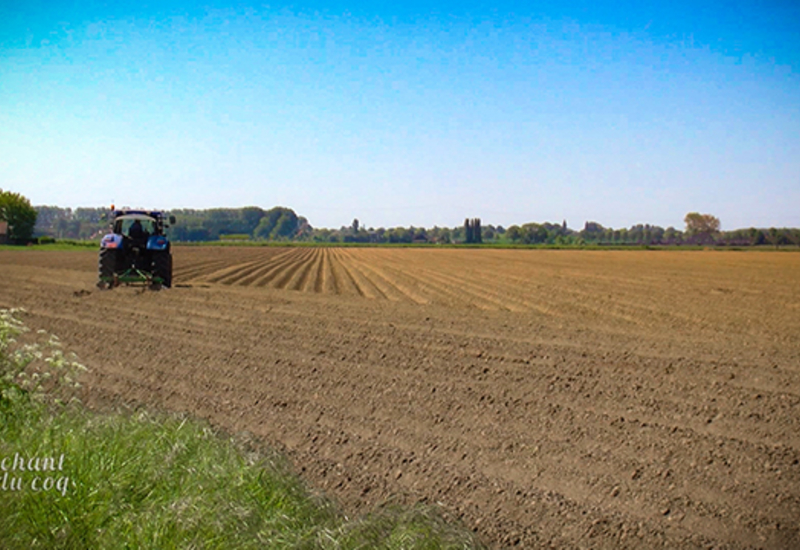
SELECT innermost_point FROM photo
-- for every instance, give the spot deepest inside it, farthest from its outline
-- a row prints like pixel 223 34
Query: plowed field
pixel 609 399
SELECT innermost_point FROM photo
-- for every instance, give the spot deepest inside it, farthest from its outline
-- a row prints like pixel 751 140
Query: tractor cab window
pixel 136 228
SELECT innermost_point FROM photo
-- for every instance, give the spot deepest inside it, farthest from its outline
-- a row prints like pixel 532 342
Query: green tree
pixel 756 236
pixel 264 228
pixel 701 227
pixel 592 232
pixel 773 236
pixel 671 236
pixel 286 226
pixel 513 233
pixel 20 215
pixel 277 223
pixel 251 215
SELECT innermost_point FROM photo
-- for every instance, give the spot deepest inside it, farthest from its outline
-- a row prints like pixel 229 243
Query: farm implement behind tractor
pixel 137 251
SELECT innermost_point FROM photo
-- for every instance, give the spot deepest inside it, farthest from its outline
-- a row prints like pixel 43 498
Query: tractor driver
pixel 137 232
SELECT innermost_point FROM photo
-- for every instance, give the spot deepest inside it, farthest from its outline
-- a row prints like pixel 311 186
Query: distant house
pixel 3 232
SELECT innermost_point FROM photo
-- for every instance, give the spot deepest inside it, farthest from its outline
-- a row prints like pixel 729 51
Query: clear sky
pixel 408 113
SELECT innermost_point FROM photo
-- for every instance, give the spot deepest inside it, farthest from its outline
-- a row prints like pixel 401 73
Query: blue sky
pixel 418 114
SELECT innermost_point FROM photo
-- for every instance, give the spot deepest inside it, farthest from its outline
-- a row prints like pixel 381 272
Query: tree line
pixel 284 224
pixel 251 222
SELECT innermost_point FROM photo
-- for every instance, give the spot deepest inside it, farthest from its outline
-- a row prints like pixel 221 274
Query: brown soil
pixel 548 398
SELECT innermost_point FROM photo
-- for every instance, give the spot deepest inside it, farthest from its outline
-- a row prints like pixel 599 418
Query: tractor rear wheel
pixel 162 268
pixel 106 266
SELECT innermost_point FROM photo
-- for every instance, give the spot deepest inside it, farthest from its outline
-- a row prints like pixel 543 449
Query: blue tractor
pixel 136 251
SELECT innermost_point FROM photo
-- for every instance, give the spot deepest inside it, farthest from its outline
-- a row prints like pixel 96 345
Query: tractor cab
pixel 136 227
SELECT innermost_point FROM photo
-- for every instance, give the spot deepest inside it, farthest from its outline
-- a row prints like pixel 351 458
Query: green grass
pixel 143 480
pixel 58 245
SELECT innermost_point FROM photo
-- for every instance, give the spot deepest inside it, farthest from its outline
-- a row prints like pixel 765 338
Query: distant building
pixel 3 232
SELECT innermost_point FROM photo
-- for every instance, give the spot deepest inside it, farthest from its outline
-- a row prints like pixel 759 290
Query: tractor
pixel 137 251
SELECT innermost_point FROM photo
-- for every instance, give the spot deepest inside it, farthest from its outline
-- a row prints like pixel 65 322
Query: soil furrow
pixel 299 262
